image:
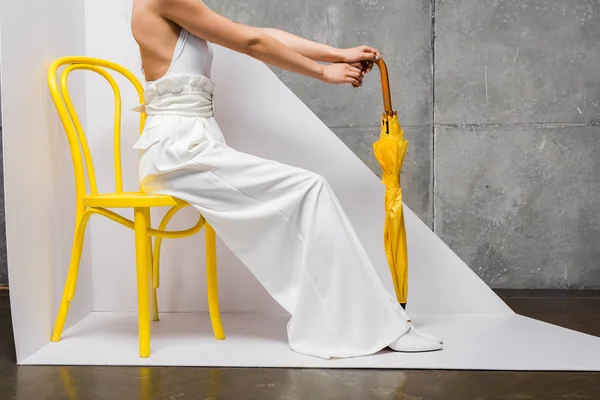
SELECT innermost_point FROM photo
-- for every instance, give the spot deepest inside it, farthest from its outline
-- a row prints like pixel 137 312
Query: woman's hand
pixel 363 57
pixel 364 67
pixel 359 54
pixel 342 73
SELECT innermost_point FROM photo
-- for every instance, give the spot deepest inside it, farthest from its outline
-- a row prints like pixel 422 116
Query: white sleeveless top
pixel 186 88
pixel 192 56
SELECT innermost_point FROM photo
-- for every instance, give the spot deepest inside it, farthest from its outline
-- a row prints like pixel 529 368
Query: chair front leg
pixel 212 282
pixel 143 279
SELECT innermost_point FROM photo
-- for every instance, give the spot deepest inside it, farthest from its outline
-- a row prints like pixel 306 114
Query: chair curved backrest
pixel 82 159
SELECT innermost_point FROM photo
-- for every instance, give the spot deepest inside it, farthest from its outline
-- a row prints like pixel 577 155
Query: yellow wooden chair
pixel 92 202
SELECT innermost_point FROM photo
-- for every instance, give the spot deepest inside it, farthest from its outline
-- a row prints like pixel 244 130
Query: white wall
pixel 38 173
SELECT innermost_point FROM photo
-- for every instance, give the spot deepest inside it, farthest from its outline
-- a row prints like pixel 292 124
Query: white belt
pixel 184 95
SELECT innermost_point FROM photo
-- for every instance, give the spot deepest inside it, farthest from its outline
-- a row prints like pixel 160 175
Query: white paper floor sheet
pixel 483 342
pixel 260 116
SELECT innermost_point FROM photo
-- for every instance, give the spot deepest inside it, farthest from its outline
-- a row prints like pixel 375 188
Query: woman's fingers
pixel 376 52
pixel 370 49
pixel 363 66
pixel 366 67
pixel 359 65
pixel 355 78
pixel 354 69
pixel 370 54
pixel 354 74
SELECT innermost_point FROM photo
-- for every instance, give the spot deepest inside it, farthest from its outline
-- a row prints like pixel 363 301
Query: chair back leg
pixel 71 283
pixel 153 295
pixel 212 282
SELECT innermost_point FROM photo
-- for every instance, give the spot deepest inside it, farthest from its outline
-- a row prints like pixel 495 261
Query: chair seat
pixel 130 200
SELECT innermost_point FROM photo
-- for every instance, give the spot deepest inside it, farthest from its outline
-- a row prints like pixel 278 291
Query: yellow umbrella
pixel 390 150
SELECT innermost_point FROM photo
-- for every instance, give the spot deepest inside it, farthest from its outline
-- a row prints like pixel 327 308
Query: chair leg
pixel 212 282
pixel 143 279
pixel 151 265
pixel 71 283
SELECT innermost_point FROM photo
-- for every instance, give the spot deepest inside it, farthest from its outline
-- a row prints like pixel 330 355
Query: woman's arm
pixel 197 18
pixel 313 50
pixel 322 52
pixel 362 57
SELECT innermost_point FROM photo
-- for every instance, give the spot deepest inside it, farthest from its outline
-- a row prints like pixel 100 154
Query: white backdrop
pixel 38 173
pixel 259 115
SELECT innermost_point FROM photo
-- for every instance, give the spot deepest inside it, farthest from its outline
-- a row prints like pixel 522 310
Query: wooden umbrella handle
pixel 385 86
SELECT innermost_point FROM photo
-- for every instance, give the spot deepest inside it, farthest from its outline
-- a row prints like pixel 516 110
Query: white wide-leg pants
pixel 285 224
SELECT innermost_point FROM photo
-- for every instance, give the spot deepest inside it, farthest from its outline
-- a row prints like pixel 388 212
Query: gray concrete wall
pixel 502 112
pixel 517 139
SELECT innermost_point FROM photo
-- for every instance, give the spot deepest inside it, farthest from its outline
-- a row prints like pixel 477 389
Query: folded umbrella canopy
pixel 390 150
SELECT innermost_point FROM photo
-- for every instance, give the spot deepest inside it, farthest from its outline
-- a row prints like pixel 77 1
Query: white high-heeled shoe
pixel 412 341
pixel 428 336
